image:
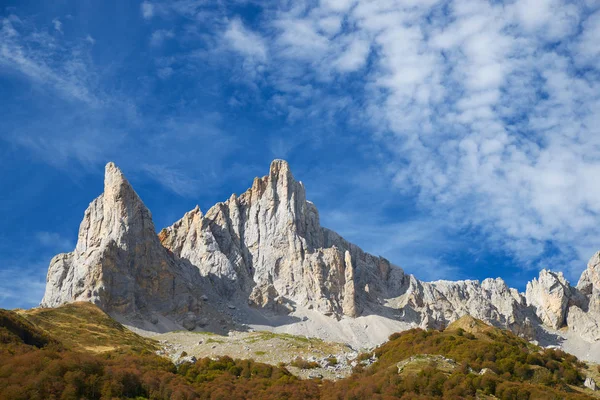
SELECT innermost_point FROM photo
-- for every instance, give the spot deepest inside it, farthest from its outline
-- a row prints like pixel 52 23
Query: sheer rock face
pixel 549 294
pixel 266 249
pixel 558 304
pixel 119 263
pixel 584 314
pixel 590 278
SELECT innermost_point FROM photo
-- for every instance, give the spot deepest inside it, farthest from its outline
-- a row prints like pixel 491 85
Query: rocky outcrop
pixel 265 251
pixel 436 304
pixel 584 313
pixel 549 295
pixel 590 383
pixel 590 278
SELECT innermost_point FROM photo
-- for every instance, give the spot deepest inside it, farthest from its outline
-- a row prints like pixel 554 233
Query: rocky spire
pixel 119 263
pixel 118 215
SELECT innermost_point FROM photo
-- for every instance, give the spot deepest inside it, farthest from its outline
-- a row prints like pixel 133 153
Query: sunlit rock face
pixel 119 263
pixel 267 247
pixel 549 295
pixel 584 314
pixel 266 250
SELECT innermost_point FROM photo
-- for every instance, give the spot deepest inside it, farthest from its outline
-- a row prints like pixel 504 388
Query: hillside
pixel 455 363
pixel 83 326
pixel 17 330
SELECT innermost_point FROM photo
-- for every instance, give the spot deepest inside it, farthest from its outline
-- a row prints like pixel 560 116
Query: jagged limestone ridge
pixel 266 248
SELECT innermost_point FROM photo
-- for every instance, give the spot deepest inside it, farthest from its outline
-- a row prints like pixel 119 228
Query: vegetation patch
pixel 83 326
pixel 301 363
pixel 265 335
pixel 16 329
pixel 517 369
pixel 448 364
pixel 332 361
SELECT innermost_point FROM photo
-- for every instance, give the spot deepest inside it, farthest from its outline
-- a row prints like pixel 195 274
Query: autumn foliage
pixel 35 366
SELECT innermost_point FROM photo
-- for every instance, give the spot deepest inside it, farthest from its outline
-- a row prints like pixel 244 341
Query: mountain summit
pixel 263 259
pixel 119 263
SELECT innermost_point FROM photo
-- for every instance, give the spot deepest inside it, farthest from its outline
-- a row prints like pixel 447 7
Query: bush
pixel 301 363
pixel 331 361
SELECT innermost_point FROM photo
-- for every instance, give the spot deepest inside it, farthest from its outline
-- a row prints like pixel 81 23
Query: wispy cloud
pixel 21 287
pixel 244 41
pixel 177 181
pixel 484 112
pixel 37 55
pixel 93 123
pixel 487 108
pixel 54 241
pixel 160 36
pixel 147 10
pixel 57 25
pixel 417 245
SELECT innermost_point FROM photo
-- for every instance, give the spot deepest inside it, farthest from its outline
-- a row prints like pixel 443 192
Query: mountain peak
pixel 119 263
pixel 115 183
pixel 112 173
pixel 280 171
pixel 277 165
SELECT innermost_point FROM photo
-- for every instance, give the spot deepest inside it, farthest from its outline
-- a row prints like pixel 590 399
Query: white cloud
pixel 54 241
pixel 330 24
pixel 20 287
pixel 337 5
pixel 492 124
pixel 299 39
pixel 38 56
pixel 354 56
pixel 164 72
pixel 176 181
pixel 244 41
pixel 147 10
pixel 588 45
pixel 553 18
pixel 160 36
pixel 57 25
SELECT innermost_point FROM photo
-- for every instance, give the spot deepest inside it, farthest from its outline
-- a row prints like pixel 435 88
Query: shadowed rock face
pixel 266 249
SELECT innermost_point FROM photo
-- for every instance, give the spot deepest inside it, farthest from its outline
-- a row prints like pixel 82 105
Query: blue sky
pixel 459 138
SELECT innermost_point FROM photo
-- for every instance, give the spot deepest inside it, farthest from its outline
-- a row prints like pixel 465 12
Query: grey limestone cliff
pixel 119 263
pixel 267 251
